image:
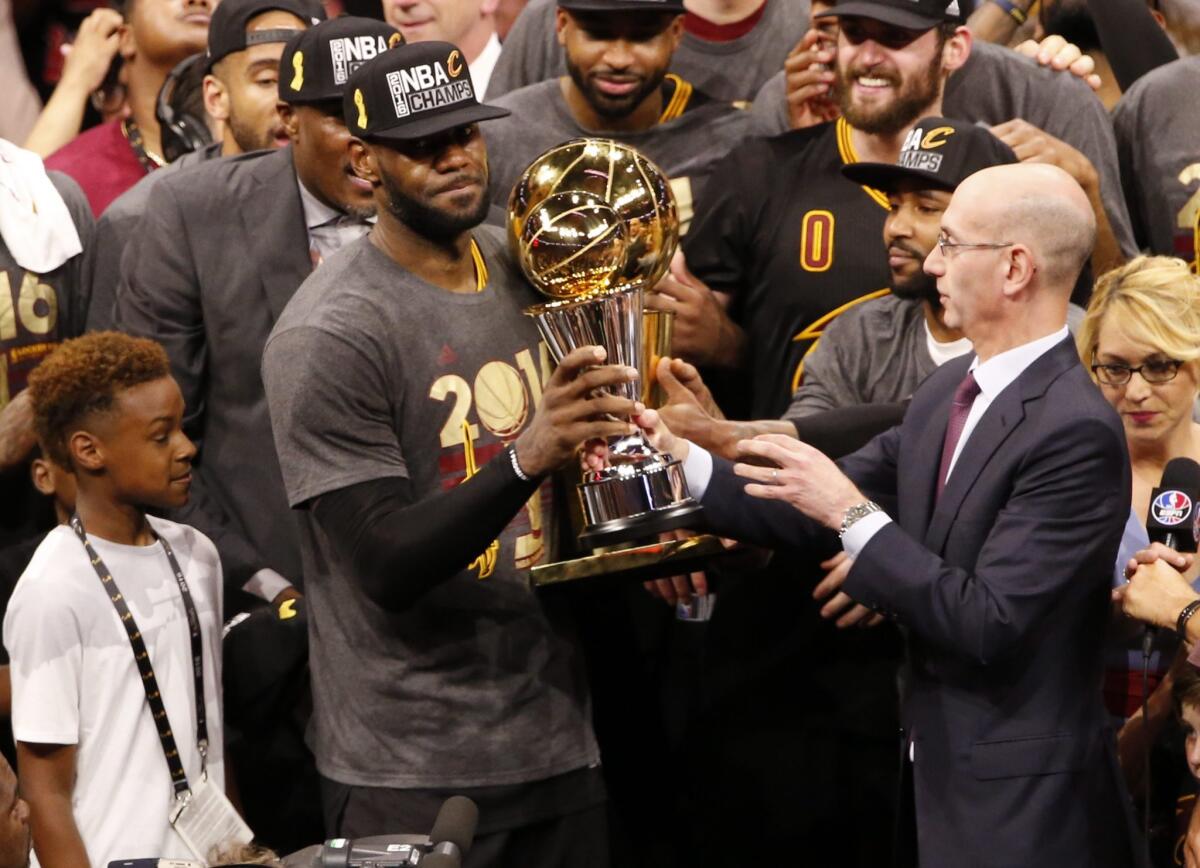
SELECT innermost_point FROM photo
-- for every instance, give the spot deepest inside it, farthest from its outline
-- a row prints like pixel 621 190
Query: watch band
pixel 856 513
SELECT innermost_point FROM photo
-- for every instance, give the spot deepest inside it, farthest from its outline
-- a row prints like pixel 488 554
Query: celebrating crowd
pixel 280 445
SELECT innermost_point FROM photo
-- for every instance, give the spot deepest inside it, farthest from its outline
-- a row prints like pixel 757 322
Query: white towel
pixel 34 221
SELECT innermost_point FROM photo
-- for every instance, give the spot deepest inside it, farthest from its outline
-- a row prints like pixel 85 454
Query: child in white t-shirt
pixel 91 761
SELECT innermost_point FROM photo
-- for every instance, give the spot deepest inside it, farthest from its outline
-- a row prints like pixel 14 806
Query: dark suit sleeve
pixel 158 297
pixel 1066 508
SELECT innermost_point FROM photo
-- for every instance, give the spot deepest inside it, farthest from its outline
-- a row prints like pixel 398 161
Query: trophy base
pixel 638 564
pixel 639 527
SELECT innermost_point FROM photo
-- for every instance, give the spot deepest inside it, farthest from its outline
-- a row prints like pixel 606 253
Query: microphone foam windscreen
pixel 456 823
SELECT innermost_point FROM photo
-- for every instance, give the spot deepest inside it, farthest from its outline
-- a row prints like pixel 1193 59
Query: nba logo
pixel 1171 508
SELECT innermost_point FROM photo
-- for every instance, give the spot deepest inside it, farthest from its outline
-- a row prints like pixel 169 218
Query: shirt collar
pixel 998 372
pixel 316 212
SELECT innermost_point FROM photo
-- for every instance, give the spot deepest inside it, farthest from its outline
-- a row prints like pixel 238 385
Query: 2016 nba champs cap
pixel 938 152
pixel 227 33
pixel 317 64
pixel 413 91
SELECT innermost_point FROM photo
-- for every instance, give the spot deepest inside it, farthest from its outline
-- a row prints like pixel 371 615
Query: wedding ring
pixel 775 477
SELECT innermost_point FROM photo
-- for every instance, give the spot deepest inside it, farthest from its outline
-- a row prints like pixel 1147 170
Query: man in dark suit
pixel 1003 496
pixel 217 255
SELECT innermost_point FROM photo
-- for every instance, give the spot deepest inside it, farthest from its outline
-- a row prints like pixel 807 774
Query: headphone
pixel 182 131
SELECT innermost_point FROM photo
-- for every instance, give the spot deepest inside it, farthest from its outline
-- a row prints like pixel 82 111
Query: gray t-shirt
pixel 996 85
pixel 874 353
pixel 370 373
pixel 686 148
pixel 729 71
pixel 1158 142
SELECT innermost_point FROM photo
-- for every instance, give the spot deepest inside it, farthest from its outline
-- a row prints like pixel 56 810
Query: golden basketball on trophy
pixel 594 226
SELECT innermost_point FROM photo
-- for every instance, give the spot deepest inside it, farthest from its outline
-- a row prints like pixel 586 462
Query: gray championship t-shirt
pixel 685 148
pixel 730 71
pixel 371 372
pixel 875 353
pixel 996 85
pixel 1157 123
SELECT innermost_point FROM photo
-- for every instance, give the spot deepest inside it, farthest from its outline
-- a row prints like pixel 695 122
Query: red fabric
pixel 707 30
pixel 1123 690
pixel 101 162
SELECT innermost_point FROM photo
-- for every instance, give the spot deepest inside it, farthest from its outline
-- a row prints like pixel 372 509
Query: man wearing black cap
pixel 245 41
pixel 617 55
pixel 214 260
pixel 417 421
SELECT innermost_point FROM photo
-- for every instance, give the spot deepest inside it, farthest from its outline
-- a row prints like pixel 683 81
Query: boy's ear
pixel 42 475
pixel 85 451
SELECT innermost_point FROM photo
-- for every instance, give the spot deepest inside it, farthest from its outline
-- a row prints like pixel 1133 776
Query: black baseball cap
pixel 673 7
pixel 413 91
pixel 911 14
pixel 317 64
pixel 938 152
pixel 227 29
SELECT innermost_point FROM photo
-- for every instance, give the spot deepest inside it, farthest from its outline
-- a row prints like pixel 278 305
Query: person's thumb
pixel 676 391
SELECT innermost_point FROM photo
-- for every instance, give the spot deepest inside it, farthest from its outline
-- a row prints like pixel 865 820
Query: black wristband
pixel 1185 616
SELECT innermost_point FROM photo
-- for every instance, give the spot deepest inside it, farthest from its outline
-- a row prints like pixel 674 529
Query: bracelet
pixel 516 465
pixel 1013 11
pixel 1185 616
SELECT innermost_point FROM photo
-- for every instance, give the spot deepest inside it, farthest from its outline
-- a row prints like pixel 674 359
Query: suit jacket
pixel 1002 585
pixel 219 251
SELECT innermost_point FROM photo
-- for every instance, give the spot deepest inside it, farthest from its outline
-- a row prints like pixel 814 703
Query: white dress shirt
pixel 993 377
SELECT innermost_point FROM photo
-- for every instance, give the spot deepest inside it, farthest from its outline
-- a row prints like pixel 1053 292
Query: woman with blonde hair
pixel 1140 338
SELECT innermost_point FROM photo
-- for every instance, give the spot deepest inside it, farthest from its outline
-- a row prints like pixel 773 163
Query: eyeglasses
pixel 1154 371
pixel 946 246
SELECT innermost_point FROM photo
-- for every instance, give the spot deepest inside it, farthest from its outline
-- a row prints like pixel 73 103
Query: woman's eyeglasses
pixel 1154 371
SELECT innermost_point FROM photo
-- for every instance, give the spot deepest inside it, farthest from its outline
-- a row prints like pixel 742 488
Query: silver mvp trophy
pixel 593 224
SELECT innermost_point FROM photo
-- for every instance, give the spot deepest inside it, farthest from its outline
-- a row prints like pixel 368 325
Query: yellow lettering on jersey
pixel 33 291
pixel 684 204
pixel 486 562
pixel 452 431
pixel 816 240
pixel 1189 215
pixel 8 314
pixel 936 137
pixel 813 332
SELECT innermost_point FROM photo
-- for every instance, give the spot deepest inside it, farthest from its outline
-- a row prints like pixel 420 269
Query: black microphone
pixel 1171 519
pixel 1172 516
pixel 453 831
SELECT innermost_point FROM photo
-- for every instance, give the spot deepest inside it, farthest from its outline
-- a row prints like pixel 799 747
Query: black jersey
pixel 795 244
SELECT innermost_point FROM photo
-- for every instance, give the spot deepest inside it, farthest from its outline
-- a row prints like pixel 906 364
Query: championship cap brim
pixel 896 16
pixel 435 124
pixel 888 176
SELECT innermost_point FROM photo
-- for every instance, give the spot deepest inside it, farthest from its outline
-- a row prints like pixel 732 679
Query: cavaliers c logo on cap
pixel 362 108
pixel 298 66
pixel 936 137
pixel 454 64
pixel 395 39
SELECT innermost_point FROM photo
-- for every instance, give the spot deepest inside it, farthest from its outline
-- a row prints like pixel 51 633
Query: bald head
pixel 1038 206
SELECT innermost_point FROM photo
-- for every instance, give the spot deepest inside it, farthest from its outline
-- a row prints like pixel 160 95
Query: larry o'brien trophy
pixel 593 224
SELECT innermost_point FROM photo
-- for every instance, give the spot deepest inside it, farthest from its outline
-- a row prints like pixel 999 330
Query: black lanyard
pixel 141 656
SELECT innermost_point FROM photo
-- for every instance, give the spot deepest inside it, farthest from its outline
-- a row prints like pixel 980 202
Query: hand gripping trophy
pixel 593 224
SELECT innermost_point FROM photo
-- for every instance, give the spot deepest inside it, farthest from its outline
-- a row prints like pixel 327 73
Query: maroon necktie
pixel 964 397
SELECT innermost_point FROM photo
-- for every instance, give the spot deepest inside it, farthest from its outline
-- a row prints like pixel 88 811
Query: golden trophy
pixel 593 224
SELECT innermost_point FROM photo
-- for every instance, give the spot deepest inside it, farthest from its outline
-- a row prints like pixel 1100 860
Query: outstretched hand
pixel 790 470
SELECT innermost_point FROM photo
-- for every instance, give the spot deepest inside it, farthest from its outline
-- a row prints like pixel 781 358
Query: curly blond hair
pixel 82 377
pixel 1157 301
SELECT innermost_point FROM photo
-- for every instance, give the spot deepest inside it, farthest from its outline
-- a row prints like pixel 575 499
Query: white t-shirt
pixel 74 680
